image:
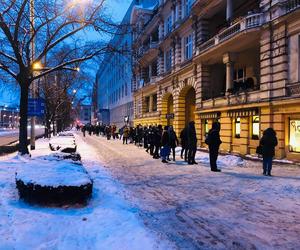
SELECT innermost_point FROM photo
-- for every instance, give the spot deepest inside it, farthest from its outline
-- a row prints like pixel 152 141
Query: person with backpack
pixel 268 143
pixel 213 141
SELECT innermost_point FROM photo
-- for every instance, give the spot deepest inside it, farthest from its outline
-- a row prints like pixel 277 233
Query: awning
pixel 243 112
pixel 212 115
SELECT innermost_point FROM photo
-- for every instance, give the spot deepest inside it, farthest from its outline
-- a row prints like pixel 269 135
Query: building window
pixel 168 60
pixel 168 25
pixel 295 135
pixel 187 5
pixel 255 127
pixel 237 129
pixel 147 104
pixel 154 104
pixel 188 47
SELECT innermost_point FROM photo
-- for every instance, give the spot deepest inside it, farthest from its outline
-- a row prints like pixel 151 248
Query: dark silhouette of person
pixel 213 140
pixel 191 142
pixel 268 143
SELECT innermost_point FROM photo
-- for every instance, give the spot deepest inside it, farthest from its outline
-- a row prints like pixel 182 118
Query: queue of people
pixel 160 142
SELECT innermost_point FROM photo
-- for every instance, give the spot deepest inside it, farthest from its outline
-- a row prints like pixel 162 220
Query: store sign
pixel 170 116
pixel 295 136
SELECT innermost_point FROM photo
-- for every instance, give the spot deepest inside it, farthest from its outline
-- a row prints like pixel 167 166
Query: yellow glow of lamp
pixel 37 66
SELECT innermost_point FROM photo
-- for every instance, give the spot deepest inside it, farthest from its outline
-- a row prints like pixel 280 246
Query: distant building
pixel 85 114
pixel 114 76
pixel 9 117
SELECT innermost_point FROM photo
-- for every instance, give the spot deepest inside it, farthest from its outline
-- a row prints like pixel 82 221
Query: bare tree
pixel 56 24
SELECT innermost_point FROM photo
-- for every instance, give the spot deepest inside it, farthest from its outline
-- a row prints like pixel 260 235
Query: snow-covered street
pixel 108 222
pixel 141 203
pixel 198 209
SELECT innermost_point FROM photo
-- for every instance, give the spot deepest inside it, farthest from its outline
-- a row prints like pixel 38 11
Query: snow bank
pixel 107 222
pixel 54 174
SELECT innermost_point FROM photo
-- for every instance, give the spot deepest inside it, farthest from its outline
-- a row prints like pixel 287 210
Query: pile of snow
pixel 223 160
pixel 49 174
pixel 63 143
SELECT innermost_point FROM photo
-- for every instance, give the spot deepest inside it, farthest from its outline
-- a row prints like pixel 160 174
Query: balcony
pixel 147 49
pixel 246 23
pixel 292 5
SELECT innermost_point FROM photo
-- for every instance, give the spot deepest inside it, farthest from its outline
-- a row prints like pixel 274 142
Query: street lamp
pixel 33 86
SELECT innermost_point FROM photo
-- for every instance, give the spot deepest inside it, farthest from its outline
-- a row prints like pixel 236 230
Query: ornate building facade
pixel 232 61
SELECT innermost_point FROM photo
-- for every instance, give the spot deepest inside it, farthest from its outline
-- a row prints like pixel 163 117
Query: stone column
pixel 229 10
pixel 161 67
pixel 229 59
pixel 161 29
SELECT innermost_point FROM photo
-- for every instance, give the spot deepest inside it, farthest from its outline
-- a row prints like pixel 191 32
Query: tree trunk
pixel 23 149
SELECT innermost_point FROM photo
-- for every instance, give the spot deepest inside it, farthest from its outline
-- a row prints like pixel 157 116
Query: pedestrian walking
pixel 213 141
pixel 268 143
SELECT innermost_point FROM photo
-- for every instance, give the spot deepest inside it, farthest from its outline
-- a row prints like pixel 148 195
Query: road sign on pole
pixel 36 107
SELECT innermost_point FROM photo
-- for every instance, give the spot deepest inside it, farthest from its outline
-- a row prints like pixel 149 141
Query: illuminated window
pixel 237 127
pixel 206 128
pixel 255 127
pixel 295 136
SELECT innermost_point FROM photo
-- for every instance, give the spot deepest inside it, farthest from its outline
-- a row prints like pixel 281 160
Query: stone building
pixel 232 61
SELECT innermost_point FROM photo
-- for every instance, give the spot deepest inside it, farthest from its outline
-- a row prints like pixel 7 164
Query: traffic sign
pixel 36 107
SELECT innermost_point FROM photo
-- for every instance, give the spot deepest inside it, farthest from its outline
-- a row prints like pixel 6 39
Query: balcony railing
pixel 246 23
pixel 291 5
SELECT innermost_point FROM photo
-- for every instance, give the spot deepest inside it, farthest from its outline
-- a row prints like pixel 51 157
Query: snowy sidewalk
pixel 108 222
pixel 198 209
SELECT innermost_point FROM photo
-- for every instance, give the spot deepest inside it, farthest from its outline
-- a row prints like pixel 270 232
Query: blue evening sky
pixel 116 9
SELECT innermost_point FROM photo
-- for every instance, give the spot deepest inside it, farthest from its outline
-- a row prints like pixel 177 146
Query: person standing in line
pixel 268 142
pixel 213 141
pixel 83 130
pixel 165 143
pixel 173 140
pixel 125 134
pixel 157 141
pixel 183 138
pixel 191 143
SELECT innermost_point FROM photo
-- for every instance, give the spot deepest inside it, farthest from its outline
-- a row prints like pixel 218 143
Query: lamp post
pixel 33 86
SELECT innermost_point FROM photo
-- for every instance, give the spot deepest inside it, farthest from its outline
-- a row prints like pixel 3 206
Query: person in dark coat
pixel 150 140
pixel 191 142
pixel 157 141
pixel 83 130
pixel 213 140
pixel 165 143
pixel 173 141
pixel 268 143
pixel 183 138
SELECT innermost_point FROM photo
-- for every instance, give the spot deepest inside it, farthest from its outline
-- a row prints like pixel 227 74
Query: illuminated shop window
pixel 255 127
pixel 206 128
pixel 295 136
pixel 237 127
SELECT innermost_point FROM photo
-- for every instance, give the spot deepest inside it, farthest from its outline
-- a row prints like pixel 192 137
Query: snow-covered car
pixel 63 143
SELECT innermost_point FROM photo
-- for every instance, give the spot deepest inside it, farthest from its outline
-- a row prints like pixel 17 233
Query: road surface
pixel 195 208
pixel 10 136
